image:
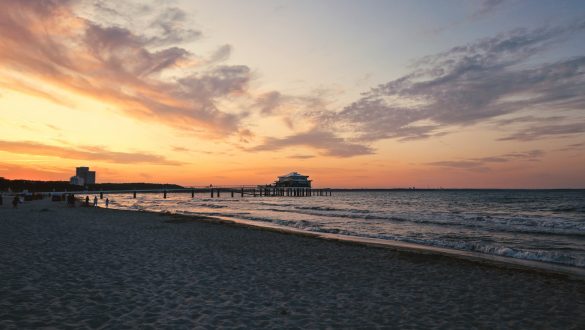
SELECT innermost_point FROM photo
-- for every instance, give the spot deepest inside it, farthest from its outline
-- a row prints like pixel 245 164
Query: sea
pixel 538 225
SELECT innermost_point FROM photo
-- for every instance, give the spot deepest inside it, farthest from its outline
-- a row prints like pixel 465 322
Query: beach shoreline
pixel 403 247
pixel 168 270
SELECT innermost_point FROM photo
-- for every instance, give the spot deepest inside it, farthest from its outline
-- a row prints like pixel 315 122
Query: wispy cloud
pixel 481 9
pixel 488 81
pixel 94 153
pixel 486 7
pixel 574 146
pixel 33 171
pixel 327 143
pixel 474 83
pixel 137 71
pixel 546 131
pixel 269 102
pixel 302 156
pixel 180 149
pixel 482 164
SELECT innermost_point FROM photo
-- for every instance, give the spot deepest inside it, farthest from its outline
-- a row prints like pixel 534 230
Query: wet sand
pixel 98 268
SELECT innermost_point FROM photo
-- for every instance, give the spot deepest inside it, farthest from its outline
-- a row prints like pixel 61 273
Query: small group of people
pixel 70 201
pixel 95 201
pixel 15 201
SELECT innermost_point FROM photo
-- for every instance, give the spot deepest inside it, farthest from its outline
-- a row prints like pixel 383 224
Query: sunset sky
pixel 372 93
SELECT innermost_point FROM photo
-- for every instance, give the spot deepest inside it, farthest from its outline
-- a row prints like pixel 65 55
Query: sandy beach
pixel 79 268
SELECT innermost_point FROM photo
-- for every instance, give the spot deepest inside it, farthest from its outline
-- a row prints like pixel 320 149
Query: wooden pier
pixel 213 192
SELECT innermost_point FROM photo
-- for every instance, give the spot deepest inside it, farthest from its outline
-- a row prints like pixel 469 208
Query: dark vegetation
pixel 39 186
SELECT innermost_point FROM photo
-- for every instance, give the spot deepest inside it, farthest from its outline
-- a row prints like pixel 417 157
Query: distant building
pixel 293 179
pixel 77 181
pixel 90 178
pixel 83 176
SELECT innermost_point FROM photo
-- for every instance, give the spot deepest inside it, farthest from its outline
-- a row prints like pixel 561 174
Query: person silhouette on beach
pixel 71 200
pixel 107 202
pixel 94 201
pixel 15 201
pixel 86 201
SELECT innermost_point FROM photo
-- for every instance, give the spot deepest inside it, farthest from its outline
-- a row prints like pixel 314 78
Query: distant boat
pixel 293 179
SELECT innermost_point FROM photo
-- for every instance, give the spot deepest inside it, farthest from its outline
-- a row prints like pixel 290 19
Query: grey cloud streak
pixel 551 130
pixel 487 6
pixel 487 81
pixel 482 164
pixel 471 84
pixel 328 143
pixel 160 24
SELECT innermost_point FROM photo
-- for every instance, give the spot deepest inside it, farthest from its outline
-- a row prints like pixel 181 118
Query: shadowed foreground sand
pixel 97 268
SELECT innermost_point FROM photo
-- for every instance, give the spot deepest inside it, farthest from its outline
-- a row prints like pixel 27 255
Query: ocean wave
pixel 484 222
pixel 511 252
pixel 569 209
pixel 546 226
pixel 212 206
pixel 327 208
pixel 553 229
pixel 490 249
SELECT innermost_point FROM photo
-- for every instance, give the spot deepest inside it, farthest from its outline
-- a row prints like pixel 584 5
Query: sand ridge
pixel 97 268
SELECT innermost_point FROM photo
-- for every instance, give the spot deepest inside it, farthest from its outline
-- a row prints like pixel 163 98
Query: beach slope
pixel 91 267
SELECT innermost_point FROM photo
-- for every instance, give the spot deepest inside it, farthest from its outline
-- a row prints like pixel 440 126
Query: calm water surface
pixel 543 225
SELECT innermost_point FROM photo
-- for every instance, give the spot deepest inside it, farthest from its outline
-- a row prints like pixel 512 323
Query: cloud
pixel 462 164
pixel 246 135
pixel 180 149
pixel 160 24
pixel 130 54
pixel 33 172
pixel 301 156
pixel 269 102
pixel 170 25
pixel 83 153
pixel 20 86
pixel 546 131
pixel 50 43
pixel 482 164
pixel 573 146
pixel 486 7
pixel 527 119
pixel 483 8
pixel 221 54
pixel 277 103
pixel 328 143
pixel 470 84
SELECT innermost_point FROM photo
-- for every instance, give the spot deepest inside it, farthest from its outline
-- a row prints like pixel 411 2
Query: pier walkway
pixel 212 191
